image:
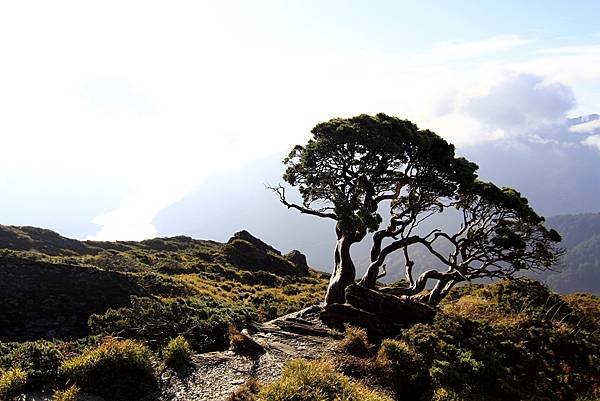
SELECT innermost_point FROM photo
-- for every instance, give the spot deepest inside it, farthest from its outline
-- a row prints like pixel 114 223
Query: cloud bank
pixel 159 98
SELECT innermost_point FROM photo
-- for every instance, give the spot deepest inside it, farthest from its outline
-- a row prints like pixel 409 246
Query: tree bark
pixel 344 271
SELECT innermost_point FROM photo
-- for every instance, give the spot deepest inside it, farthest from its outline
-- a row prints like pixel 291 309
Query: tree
pixel 351 166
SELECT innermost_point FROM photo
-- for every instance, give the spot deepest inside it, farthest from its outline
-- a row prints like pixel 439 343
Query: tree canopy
pixel 353 167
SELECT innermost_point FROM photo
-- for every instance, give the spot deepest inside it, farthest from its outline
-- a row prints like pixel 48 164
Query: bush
pixel 177 353
pixel 40 360
pixel 316 381
pixel 403 366
pixel 203 320
pixel 11 382
pixel 445 394
pixel 398 353
pixel 116 369
pixel 69 394
pixel 355 341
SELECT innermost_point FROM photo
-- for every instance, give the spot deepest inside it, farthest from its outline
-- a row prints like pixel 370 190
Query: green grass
pixel 116 369
pixel 177 353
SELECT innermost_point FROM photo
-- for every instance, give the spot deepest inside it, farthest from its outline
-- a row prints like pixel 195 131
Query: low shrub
pixel 40 360
pixel 69 394
pixel 156 321
pixel 177 353
pixel 11 382
pixel 398 353
pixel 116 369
pixel 355 341
pixel 318 381
pixel 404 367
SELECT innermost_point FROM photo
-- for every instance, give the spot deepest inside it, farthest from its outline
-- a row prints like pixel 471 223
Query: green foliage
pixel 69 394
pixel 162 284
pixel 11 382
pixel 117 369
pixel 40 360
pixel 351 161
pixel 204 321
pixel 316 381
pixel 177 353
pixel 513 340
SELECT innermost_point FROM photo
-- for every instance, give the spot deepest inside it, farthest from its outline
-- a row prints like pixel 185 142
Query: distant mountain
pixel 581 264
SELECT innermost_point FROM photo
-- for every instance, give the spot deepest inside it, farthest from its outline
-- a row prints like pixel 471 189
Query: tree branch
pixel 281 192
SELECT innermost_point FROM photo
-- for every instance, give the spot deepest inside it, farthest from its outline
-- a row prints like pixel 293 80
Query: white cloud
pixel 501 105
pixel 587 127
pixel 592 141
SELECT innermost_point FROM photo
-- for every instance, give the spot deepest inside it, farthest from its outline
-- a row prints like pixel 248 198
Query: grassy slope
pixel 60 297
pixel 176 267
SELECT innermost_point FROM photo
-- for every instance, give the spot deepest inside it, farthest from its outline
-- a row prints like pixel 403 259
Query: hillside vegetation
pixel 62 301
pixel 513 340
pixel 111 318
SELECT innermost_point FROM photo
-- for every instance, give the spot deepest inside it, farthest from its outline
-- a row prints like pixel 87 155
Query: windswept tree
pixel 351 166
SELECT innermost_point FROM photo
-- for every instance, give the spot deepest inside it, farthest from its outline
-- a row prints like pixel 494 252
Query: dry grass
pixel 69 394
pixel 355 341
pixel 316 380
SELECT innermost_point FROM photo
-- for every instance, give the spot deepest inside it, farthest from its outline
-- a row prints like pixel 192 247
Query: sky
pixel 112 111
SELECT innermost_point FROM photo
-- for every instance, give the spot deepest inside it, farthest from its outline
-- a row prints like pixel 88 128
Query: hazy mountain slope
pixel 228 201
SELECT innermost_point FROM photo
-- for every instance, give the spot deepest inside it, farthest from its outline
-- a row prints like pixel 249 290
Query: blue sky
pixel 145 100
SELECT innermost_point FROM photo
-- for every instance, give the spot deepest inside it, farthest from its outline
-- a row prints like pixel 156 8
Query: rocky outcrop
pixel 246 251
pixel 44 300
pixel 213 376
pixel 246 236
pixel 298 259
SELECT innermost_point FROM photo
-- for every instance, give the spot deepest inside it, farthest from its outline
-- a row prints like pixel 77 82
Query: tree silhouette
pixel 351 166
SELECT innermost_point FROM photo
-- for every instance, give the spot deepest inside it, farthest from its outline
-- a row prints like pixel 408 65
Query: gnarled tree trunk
pixel 381 314
pixel 344 272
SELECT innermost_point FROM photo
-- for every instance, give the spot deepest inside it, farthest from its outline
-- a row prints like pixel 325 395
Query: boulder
pixel 298 259
pixel 246 236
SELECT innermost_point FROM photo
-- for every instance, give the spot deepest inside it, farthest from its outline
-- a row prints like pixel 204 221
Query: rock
pixel 247 255
pixel 246 236
pixel 298 259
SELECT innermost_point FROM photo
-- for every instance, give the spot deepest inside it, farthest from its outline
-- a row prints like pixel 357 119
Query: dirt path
pixel 215 375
